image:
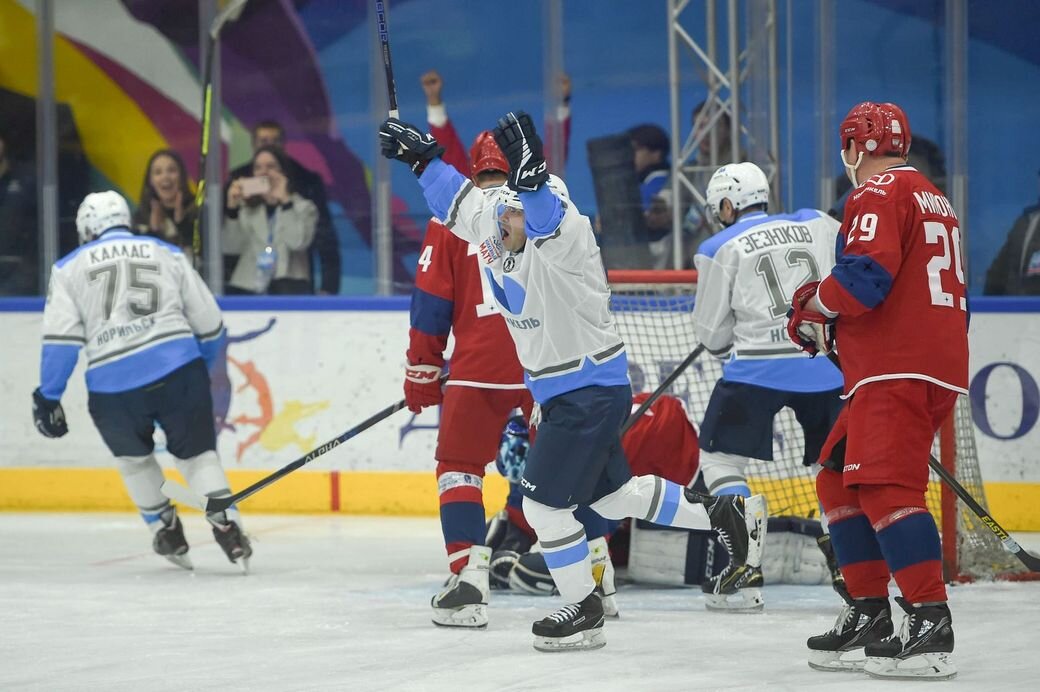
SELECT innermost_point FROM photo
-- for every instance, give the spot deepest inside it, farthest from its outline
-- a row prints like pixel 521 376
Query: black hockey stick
pixel 1031 561
pixel 645 406
pixel 232 9
pixel 383 28
pixel 177 492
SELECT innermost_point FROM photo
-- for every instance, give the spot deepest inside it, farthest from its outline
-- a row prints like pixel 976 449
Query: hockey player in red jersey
pixel 485 386
pixel 896 301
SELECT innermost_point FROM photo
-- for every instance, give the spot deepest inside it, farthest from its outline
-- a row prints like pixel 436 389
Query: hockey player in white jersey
pixel 746 276
pixel 149 327
pixel 544 269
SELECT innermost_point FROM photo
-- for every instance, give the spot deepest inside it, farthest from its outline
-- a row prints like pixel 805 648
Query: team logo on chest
pixel 491 249
pixel 509 264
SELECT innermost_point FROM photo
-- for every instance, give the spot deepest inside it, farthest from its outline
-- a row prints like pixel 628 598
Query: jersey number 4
pixel 140 280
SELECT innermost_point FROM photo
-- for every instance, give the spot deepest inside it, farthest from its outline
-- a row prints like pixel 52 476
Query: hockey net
pixel 654 310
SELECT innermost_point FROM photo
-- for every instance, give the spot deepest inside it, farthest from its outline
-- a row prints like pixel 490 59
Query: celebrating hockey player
pixel 899 276
pixel 486 384
pixel 544 269
pixel 745 277
pixel 150 327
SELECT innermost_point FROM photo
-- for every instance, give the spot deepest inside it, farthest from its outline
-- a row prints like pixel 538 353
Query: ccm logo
pixel 533 171
pixel 851 467
pixel 526 484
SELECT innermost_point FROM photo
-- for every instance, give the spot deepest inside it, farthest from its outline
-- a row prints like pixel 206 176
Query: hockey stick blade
pixel 181 495
pixel 1031 562
pixel 645 406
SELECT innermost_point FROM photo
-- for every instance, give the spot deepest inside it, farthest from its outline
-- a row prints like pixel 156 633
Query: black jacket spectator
pixel 1016 269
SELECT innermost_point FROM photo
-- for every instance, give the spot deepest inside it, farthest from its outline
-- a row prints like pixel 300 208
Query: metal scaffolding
pixel 742 100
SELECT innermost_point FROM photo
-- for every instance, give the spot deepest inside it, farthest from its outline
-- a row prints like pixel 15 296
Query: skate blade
pixel 579 641
pixel 837 661
pixel 933 666
pixel 471 616
pixel 743 601
pixel 182 561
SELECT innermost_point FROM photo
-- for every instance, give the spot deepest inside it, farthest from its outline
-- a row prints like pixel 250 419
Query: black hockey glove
pixel 48 415
pixel 404 142
pixel 516 137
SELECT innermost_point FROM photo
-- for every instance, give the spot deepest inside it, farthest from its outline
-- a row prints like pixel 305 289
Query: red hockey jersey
pixel 898 285
pixel 662 442
pixel 451 295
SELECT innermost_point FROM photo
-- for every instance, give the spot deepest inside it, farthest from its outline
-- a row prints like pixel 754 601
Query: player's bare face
pixel 514 237
pixel 265 164
pixel 164 176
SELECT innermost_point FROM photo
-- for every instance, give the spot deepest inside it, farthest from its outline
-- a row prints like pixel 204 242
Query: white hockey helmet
pixel 507 197
pixel 743 184
pixel 99 212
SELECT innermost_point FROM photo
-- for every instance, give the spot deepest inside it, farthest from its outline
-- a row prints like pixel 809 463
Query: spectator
pixel 166 207
pixel 1016 269
pixel 697 223
pixel 271 228
pixel 651 146
pixel 309 185
pixel 19 272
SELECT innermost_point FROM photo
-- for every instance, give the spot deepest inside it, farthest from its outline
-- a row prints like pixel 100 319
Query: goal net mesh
pixel 654 313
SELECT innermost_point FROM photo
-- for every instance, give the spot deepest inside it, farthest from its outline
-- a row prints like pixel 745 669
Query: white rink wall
pixel 297 378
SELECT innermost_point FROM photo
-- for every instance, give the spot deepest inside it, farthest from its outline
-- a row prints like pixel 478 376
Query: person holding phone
pixel 166 207
pixel 270 227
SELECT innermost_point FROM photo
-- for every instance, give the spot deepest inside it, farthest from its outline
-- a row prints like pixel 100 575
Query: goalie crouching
pixel 663 443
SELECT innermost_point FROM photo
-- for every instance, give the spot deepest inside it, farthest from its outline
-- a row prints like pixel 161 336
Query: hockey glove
pixel 810 330
pixel 422 387
pixel 404 142
pixel 48 415
pixel 516 137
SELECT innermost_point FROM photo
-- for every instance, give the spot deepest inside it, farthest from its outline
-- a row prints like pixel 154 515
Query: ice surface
pixel 342 603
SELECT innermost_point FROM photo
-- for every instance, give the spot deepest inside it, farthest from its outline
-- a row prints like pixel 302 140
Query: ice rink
pixel 341 603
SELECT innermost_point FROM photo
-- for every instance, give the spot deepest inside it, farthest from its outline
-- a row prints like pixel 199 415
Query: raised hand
pixel 405 142
pixel 518 140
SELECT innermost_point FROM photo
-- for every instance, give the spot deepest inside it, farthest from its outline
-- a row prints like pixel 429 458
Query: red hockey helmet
pixel 877 129
pixel 486 156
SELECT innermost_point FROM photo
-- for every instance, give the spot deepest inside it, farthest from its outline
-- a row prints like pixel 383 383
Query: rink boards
pixel 301 371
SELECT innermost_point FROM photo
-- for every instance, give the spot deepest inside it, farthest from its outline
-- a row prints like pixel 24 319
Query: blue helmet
pixel 512 452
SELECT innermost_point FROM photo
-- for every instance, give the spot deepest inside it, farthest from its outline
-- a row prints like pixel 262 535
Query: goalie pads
pixel 531 575
pixel 677 557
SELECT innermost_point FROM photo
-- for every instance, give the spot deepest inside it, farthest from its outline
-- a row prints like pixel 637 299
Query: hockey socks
pixel 462 512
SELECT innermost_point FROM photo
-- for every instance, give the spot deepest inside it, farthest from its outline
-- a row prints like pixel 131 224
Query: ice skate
pixel 574 627
pixel 741 527
pixel 921 650
pixel 232 540
pixel 169 541
pixel 603 573
pixel 862 622
pixel 463 602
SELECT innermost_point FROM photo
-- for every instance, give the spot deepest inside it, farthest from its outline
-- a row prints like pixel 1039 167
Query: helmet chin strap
pixel 850 170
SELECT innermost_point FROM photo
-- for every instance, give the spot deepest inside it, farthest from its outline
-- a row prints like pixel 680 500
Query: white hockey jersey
pixel 553 294
pixel 136 307
pixel 746 275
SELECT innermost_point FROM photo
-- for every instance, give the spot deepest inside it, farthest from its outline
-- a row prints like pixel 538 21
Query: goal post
pixel 654 315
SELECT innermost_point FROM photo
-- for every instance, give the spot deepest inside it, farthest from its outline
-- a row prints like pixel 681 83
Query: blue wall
pixel 490 55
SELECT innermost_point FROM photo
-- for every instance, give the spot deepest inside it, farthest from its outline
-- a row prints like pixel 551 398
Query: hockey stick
pixel 177 492
pixel 383 28
pixel 234 7
pixel 1031 561
pixel 643 407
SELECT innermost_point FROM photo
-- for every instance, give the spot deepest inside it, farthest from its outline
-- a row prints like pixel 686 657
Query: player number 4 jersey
pixel 898 285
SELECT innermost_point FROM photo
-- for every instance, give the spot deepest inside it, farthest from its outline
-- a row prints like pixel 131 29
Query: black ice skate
pixel 231 540
pixel 741 527
pixel 862 622
pixel 169 541
pixel 921 649
pixel 463 602
pixel 837 580
pixel 573 627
